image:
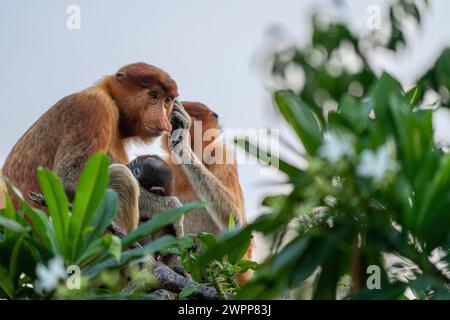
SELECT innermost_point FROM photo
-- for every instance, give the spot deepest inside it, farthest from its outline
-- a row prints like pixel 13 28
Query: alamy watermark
pixel 214 146
pixel 73 21
pixel 373 17
pixel 373 282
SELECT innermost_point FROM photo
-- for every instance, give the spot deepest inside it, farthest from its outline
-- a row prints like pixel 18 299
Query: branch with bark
pixel 168 279
pixel 171 283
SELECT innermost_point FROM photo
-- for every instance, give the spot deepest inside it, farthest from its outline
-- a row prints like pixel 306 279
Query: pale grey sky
pixel 209 47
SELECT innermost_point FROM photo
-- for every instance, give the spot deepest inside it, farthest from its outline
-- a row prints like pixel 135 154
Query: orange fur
pixel 103 118
pixel 2 191
pixel 226 173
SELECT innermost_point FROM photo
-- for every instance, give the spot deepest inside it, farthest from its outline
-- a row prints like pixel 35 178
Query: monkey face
pixel 153 174
pixel 156 113
pixel 136 169
pixel 145 95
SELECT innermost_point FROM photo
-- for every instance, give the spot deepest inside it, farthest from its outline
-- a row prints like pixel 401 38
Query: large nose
pixel 162 121
pixel 164 124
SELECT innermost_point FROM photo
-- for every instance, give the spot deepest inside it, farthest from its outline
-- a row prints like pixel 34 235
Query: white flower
pixel 48 278
pixel 376 164
pixel 336 146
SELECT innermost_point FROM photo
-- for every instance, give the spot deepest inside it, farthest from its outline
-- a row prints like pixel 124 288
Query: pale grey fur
pixel 122 181
pixel 150 204
pixel 208 188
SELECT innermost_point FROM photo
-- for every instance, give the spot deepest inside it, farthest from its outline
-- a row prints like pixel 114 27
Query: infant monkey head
pixel 153 174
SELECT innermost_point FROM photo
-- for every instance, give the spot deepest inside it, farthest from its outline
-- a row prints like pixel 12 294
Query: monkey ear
pixel 120 75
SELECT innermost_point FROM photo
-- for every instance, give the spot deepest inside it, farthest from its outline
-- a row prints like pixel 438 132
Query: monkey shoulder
pixel 84 105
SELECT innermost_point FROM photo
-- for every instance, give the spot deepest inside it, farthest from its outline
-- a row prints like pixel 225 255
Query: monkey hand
pixel 179 138
pixel 180 119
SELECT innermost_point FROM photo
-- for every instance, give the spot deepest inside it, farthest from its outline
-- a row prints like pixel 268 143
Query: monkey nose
pixel 166 126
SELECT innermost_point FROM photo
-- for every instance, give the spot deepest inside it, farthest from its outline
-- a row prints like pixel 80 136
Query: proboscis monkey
pixel 132 104
pixel 205 170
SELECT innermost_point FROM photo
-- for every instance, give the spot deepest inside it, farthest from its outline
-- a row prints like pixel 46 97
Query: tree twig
pixel 168 279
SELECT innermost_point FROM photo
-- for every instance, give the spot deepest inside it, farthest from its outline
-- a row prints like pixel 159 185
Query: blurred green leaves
pixel 30 237
pixel 359 219
pixel 301 118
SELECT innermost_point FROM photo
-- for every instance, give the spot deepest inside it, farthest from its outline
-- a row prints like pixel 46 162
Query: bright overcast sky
pixel 208 47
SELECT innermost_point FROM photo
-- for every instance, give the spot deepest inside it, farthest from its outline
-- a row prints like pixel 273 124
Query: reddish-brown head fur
pixel 204 116
pixel 144 95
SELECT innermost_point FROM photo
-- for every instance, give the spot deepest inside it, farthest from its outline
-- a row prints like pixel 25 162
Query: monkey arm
pixel 93 130
pixel 68 166
pixel 221 202
pixel 150 203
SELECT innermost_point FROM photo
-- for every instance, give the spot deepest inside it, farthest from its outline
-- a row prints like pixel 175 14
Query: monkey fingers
pixel 179 138
pixel 178 107
pixel 40 199
pixel 179 121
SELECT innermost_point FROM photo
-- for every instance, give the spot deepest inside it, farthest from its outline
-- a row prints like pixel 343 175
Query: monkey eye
pixel 168 102
pixel 136 171
pixel 154 96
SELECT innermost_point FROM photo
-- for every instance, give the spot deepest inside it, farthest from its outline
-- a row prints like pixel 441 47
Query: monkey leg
pixel 122 181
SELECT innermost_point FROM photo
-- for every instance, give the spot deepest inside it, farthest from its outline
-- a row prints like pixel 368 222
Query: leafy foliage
pixel 29 239
pixel 337 60
pixel 376 187
pixel 220 271
pixel 367 218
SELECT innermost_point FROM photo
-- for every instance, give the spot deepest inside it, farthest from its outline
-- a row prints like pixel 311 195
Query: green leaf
pixel 301 118
pixel 115 247
pixel 414 96
pixel 328 277
pixel 356 114
pixel 40 222
pixel 91 189
pixel 15 256
pixel 104 216
pixel 45 231
pixel 389 292
pixel 95 268
pixel 308 262
pixel 236 255
pixel 432 216
pixel 207 240
pixel 108 243
pixel 6 282
pixel 157 222
pixel 186 293
pixel 10 213
pixel 12 226
pixel 186 242
pixel 382 93
pixel 231 223
pixel 231 243
pixel 245 265
pixel 58 205
pixel 297 176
